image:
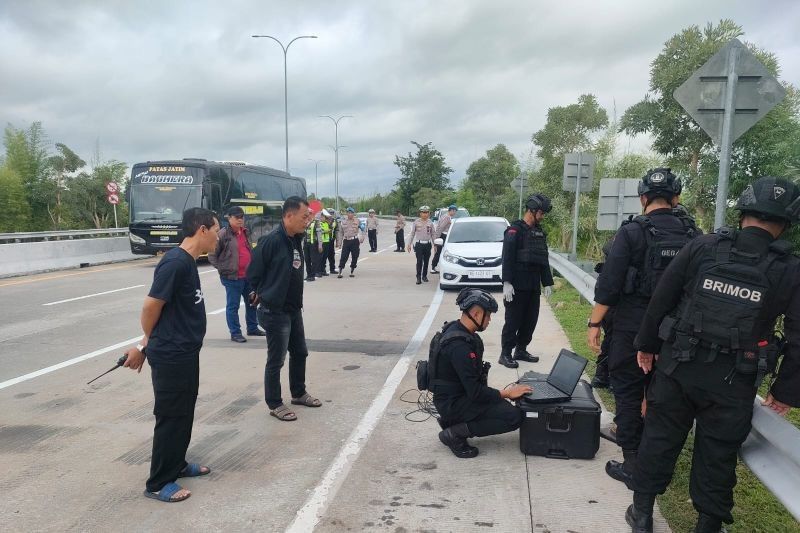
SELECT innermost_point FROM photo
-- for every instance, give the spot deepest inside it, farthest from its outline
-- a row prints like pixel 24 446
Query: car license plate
pixel 480 274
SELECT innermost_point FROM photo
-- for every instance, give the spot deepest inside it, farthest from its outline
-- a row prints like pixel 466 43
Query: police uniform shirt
pixel 350 228
pixel 400 224
pixel 459 362
pixel 628 250
pixel 421 230
pixel 444 224
pixel 678 281
pixel 523 276
pixel 372 223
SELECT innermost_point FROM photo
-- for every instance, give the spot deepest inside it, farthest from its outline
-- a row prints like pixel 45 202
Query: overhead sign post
pixel 618 199
pixel 578 169
pixel 727 96
pixel 519 184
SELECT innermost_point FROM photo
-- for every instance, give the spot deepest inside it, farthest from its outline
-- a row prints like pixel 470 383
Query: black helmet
pixel 771 198
pixel 660 182
pixel 538 202
pixel 469 297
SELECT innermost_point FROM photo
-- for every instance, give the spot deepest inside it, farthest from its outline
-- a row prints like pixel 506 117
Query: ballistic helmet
pixel 771 198
pixel 469 297
pixel 660 182
pixel 539 202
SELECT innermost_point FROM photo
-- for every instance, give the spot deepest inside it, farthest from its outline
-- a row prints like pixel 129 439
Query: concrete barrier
pixel 30 257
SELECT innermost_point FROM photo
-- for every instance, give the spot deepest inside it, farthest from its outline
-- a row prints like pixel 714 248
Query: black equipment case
pixel 565 430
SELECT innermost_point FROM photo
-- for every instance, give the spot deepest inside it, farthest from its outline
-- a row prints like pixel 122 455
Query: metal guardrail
pixel 771 451
pixel 34 236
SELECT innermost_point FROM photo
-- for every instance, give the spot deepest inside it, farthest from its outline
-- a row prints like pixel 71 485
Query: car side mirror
pixel 438 242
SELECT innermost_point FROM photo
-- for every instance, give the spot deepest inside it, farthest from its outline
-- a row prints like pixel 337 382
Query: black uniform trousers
pixel 399 239
pixel 350 247
pixel 484 420
pixel 311 256
pixel 723 420
pixel 329 255
pixel 175 391
pixel 423 252
pixel 438 251
pixel 629 383
pixel 372 235
pixel 522 314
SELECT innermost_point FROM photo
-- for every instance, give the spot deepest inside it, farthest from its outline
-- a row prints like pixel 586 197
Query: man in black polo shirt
pixel 276 272
pixel 174 324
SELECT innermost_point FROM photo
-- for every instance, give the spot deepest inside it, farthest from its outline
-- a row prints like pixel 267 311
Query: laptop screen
pixel 567 371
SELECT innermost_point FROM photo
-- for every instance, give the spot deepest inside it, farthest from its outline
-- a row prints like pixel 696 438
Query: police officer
pixel 442 227
pixel 421 236
pixel 352 237
pixel 399 228
pixel 712 320
pixel 601 379
pixel 312 246
pixel 526 268
pixel 467 405
pixel 642 248
pixel 329 248
pixel 372 230
pixel 324 241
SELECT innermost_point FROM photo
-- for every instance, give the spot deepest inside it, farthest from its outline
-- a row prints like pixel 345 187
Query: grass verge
pixel 756 510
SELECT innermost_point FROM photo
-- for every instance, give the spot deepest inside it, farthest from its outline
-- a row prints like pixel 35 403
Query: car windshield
pixel 488 231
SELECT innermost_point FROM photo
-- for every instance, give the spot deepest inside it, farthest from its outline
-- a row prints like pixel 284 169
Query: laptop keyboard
pixel 545 390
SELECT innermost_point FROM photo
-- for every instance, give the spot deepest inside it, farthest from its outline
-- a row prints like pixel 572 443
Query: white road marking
pixel 207 271
pixel 311 513
pixel 69 362
pixel 95 294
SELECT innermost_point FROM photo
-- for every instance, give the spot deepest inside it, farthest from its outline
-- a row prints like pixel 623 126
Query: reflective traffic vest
pixel 311 233
pixel 326 232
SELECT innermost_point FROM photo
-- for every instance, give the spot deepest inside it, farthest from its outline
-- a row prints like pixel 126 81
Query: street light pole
pixel 336 154
pixel 316 176
pixel 285 86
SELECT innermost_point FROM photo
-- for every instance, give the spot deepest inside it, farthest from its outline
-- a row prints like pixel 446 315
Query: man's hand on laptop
pixel 515 391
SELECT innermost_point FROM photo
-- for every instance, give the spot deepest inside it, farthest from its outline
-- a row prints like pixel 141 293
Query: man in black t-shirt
pixel 276 272
pixel 174 324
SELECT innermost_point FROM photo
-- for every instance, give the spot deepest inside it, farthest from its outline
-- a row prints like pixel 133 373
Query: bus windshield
pixel 162 203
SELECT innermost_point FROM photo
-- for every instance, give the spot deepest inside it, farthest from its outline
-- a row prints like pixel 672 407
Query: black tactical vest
pixel 734 303
pixel 532 246
pixel 662 245
pixel 428 371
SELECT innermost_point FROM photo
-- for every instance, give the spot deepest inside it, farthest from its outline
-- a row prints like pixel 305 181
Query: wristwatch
pixel 140 347
pixel 590 324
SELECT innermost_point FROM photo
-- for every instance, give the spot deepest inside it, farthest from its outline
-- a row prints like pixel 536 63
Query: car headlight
pixel 450 258
pixel 136 239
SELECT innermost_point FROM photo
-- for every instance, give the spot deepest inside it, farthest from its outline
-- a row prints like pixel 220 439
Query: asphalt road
pixel 75 457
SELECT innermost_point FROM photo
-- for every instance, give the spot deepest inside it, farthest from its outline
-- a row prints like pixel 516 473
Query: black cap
pixel 235 211
pixel 772 198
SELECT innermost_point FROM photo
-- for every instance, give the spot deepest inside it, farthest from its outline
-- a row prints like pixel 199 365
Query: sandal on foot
pixel 283 413
pixel 166 493
pixel 194 470
pixel 306 400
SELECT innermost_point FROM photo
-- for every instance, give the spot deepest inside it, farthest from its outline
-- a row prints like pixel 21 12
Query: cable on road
pixel 425 407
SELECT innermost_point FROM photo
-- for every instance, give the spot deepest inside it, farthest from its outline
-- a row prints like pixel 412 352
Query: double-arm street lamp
pixel 316 176
pixel 285 86
pixel 336 154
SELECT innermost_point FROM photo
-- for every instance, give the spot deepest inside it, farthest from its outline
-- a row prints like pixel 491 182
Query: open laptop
pixel 560 383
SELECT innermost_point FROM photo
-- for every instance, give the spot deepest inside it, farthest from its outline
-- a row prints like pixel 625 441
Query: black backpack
pixel 662 245
pixel 427 378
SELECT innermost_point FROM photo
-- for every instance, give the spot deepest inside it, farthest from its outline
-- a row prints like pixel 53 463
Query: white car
pixel 473 253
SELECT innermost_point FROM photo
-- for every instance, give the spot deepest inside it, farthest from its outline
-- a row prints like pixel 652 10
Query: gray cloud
pixel 178 79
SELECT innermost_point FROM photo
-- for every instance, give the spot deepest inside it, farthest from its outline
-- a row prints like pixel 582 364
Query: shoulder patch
pixel 512 230
pixel 473 355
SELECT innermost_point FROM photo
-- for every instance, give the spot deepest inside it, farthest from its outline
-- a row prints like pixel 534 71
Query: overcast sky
pixel 173 79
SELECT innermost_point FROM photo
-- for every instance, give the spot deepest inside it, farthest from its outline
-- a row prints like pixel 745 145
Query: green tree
pixel 488 178
pixel 26 155
pixel 14 208
pixel 63 164
pixel 425 168
pixel 86 203
pixel 771 146
pixel 433 198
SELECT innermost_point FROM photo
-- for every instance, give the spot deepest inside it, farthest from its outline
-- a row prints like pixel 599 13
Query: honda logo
pixel 480 262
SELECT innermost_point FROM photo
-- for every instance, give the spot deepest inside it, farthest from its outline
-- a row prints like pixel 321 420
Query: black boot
pixel 506 359
pixel 455 438
pixel 419 281
pixel 425 279
pixel 623 471
pixel 600 379
pixel 709 524
pixel 521 354
pixel 640 515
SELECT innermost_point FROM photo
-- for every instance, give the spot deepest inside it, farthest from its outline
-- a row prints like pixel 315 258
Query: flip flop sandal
pixel 166 493
pixel 194 470
pixel 307 401
pixel 283 413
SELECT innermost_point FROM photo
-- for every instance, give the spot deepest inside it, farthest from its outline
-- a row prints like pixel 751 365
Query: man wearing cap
pixel 399 230
pixel 421 237
pixel 352 237
pixel 231 258
pixel 372 231
pixel 442 228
